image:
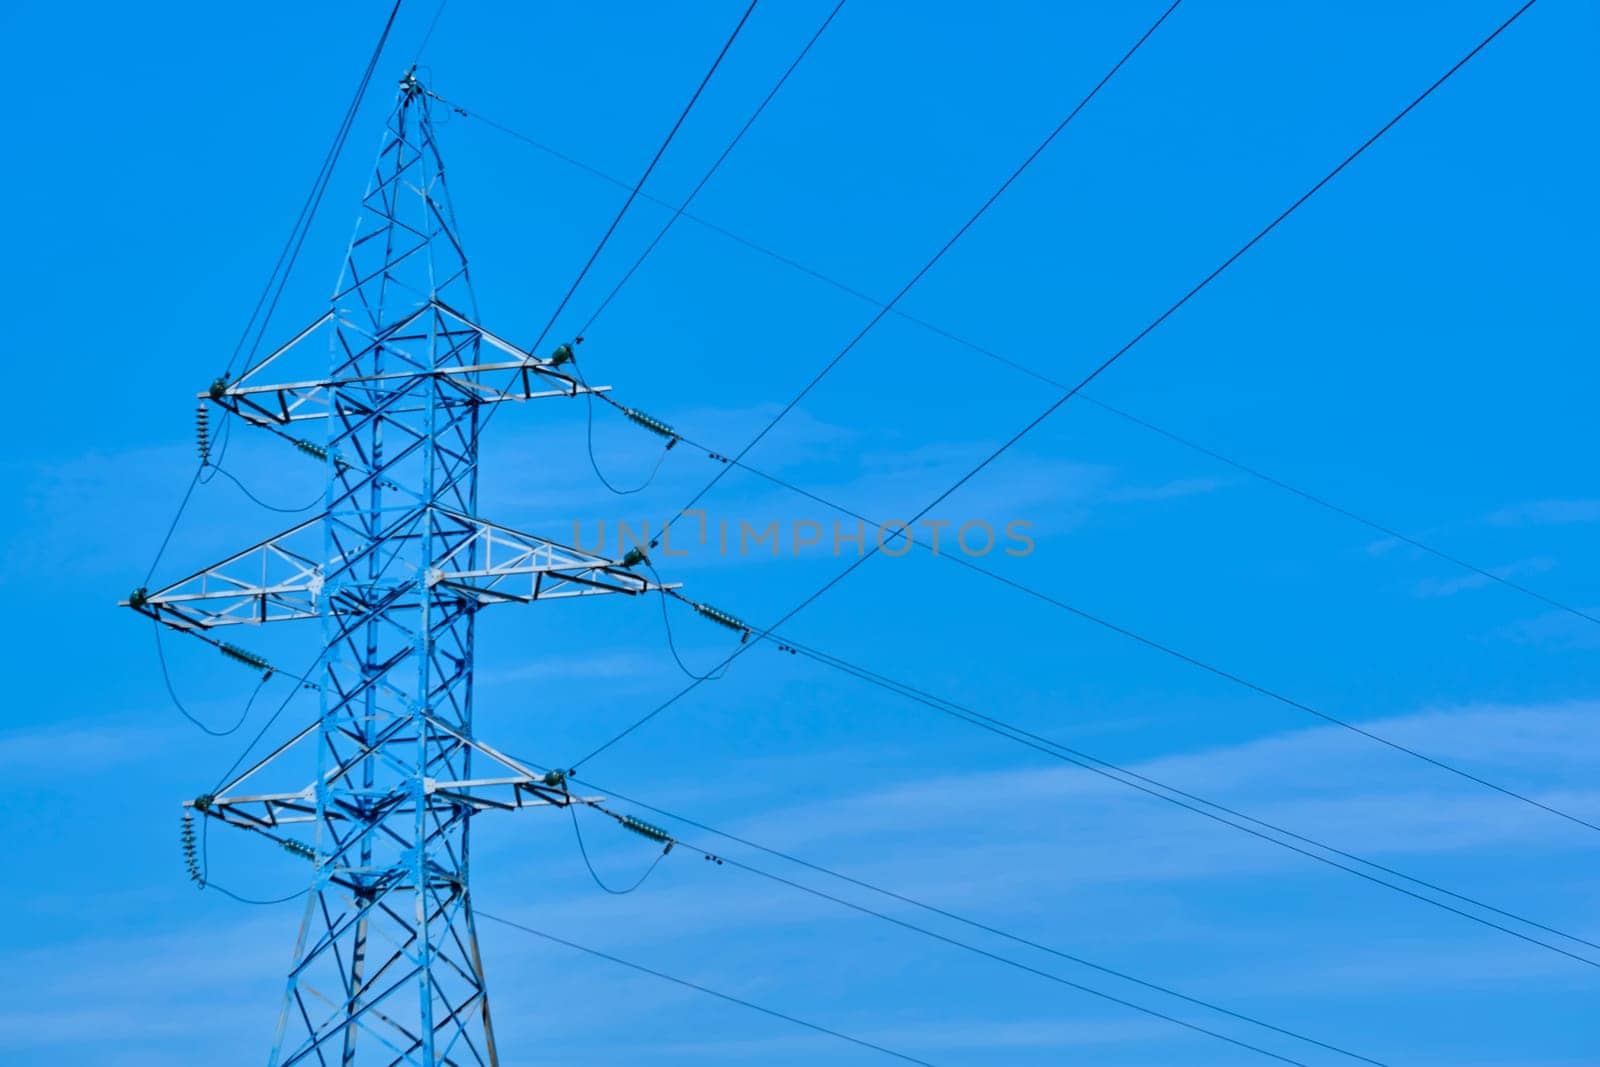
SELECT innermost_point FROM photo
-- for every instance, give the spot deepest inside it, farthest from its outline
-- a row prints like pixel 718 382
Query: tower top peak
pixel 410 87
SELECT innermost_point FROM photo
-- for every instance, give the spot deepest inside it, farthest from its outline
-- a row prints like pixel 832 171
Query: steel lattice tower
pixel 386 968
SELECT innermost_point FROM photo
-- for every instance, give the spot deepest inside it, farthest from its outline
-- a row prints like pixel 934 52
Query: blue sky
pixel 1416 344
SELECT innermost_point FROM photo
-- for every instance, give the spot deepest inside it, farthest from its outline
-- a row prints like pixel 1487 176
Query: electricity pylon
pixel 387 968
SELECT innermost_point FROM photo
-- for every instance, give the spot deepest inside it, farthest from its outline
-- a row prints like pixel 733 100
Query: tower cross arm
pixel 290 577
pixel 276 580
pixel 519 376
pixel 506 784
pixel 491 563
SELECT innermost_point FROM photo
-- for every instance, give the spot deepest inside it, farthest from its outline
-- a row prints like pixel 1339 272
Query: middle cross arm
pixel 285 577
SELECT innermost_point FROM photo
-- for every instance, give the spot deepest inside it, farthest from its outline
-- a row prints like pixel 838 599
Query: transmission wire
pixel 948 914
pixel 252 900
pixel 643 178
pixel 428 37
pixel 633 194
pixel 1337 509
pixel 297 234
pixel 1148 642
pixel 304 679
pixel 1116 773
pixel 287 258
pixel 726 152
pixel 1182 798
pixel 703 989
pixel 937 256
pixel 1049 976
pixel 207 883
pixel 588 431
pixel 1254 472
pixel 270 507
pixel 172 527
pixel 166 677
pixel 672 645
pixel 660 235
pixel 1101 368
pixel 577 832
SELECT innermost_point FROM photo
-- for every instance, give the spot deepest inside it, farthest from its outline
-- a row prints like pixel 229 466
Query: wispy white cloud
pixel 1553 628
pixel 89 749
pixel 922 1037
pixel 1318 781
pixel 1443 587
pixel 607 665
pixel 1013 846
pixel 1548 513
pixel 1173 490
pixel 109 991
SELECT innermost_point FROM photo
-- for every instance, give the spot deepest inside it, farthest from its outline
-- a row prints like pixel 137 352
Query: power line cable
pixel 862 333
pixel 726 152
pixel 1201 285
pixel 1148 642
pixel 990 353
pixel 313 502
pixel 1154 787
pixel 708 991
pixel 241 899
pixel 1119 629
pixel 656 241
pixel 583 850
pixel 672 644
pixel 205 881
pixel 302 225
pixel 1101 368
pixel 287 257
pixel 1167 990
pixel 172 527
pixel 956 917
pixel 633 194
pixel 305 683
pixel 927 266
pixel 588 437
pixel 1035 971
pixel 643 178
pixel 428 36
pixel 1195 803
pixel 166 677
pixel 1328 505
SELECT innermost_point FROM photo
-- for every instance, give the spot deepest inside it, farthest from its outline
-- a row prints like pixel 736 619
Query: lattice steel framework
pixel 387 968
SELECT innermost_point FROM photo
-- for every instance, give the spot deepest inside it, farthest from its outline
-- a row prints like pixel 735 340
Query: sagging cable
pixel 643 829
pixel 649 422
pixel 672 644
